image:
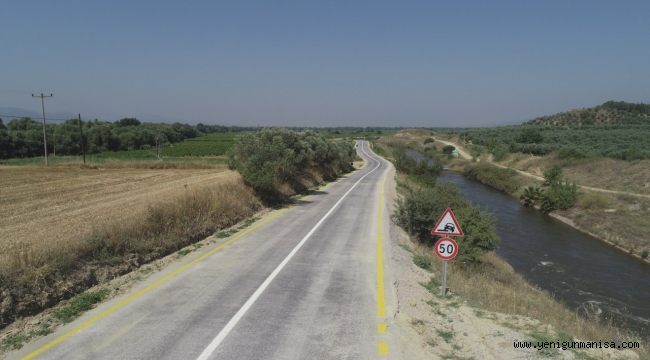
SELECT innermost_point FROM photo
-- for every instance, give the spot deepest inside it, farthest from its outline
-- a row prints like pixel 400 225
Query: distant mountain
pixel 611 112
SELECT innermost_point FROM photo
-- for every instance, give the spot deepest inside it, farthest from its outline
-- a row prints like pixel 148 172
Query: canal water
pixel 585 273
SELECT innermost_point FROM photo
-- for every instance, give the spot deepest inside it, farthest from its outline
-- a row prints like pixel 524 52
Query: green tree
pixel 552 175
pixel 128 122
pixel 448 149
pixel 530 136
pixel 499 152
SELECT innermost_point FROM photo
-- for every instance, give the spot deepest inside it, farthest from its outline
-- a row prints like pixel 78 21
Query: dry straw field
pixel 44 208
pixel 66 228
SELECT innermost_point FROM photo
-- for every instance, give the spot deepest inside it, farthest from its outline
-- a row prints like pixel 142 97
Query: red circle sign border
pixel 450 257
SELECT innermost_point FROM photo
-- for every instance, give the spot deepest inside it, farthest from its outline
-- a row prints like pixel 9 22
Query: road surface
pixel 306 282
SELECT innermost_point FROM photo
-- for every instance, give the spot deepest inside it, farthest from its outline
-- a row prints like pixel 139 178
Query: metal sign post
pixel 443 288
pixel 446 248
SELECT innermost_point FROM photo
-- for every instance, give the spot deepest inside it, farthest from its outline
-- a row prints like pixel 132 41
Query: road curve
pixel 307 282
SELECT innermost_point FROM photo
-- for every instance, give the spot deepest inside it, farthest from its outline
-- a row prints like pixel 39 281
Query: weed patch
pixel 447 336
pixel 79 304
pixel 422 261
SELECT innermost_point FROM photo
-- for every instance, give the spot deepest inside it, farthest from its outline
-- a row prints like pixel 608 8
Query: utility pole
pixel 83 141
pixel 43 108
pixel 159 140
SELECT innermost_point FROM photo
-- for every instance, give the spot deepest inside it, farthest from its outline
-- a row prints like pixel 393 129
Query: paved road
pixel 307 282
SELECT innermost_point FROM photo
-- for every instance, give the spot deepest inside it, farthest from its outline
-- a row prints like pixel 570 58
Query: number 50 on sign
pixel 446 248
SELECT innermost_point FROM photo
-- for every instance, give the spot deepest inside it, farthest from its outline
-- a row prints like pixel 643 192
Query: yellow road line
pixel 381 303
pixel 156 284
pixel 382 346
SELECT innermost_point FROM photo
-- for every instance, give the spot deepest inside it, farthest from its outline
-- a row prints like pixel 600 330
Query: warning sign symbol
pixel 447 225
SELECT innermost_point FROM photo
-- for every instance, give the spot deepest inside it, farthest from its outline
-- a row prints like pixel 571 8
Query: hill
pixel 610 112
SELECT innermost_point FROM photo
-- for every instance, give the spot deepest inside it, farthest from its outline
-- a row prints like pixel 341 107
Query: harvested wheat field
pixel 45 207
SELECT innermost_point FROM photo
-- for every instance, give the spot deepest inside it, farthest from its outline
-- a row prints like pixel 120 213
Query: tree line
pixel 23 137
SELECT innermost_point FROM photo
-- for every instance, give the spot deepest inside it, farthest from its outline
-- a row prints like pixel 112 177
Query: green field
pixel 626 142
pixel 207 146
pixel 212 146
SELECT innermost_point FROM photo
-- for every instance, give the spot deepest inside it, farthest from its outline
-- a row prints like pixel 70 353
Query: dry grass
pixel 66 229
pixel 495 286
pixel 50 207
pixel 620 219
pixel 629 176
pixel 611 174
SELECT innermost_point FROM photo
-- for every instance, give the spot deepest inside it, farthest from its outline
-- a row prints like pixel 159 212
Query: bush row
pixel 499 178
pixel 271 158
pixel 422 203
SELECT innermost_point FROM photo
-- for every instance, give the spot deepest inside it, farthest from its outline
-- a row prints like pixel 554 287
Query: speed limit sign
pixel 446 248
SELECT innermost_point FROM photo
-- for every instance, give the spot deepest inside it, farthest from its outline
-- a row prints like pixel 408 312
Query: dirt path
pixel 465 155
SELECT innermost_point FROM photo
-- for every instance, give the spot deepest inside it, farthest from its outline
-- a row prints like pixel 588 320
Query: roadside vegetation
pixel 278 162
pixel 423 200
pixel 69 228
pixel 504 180
pixel 600 191
pixel 478 277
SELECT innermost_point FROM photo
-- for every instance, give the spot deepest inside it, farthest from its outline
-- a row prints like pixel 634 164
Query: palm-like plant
pixel 531 195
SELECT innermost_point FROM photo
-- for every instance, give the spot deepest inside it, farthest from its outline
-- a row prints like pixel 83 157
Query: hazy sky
pixel 324 63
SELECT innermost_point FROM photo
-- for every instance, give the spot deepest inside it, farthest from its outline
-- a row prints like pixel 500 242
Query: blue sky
pixel 324 63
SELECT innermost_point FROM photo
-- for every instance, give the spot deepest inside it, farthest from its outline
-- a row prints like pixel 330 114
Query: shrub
pixel 531 195
pixel 560 195
pixel 269 158
pixel 403 162
pixel 407 164
pixel 428 140
pixel 572 152
pixel 422 261
pixel 420 207
pixel 499 152
pixel 530 136
pixel 552 175
pixel 448 149
pixel 476 151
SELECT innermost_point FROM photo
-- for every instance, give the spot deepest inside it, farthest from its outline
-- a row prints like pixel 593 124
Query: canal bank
pixel 589 276
pixel 584 272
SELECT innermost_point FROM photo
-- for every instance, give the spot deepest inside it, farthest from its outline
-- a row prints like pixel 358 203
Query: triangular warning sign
pixel 447 225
